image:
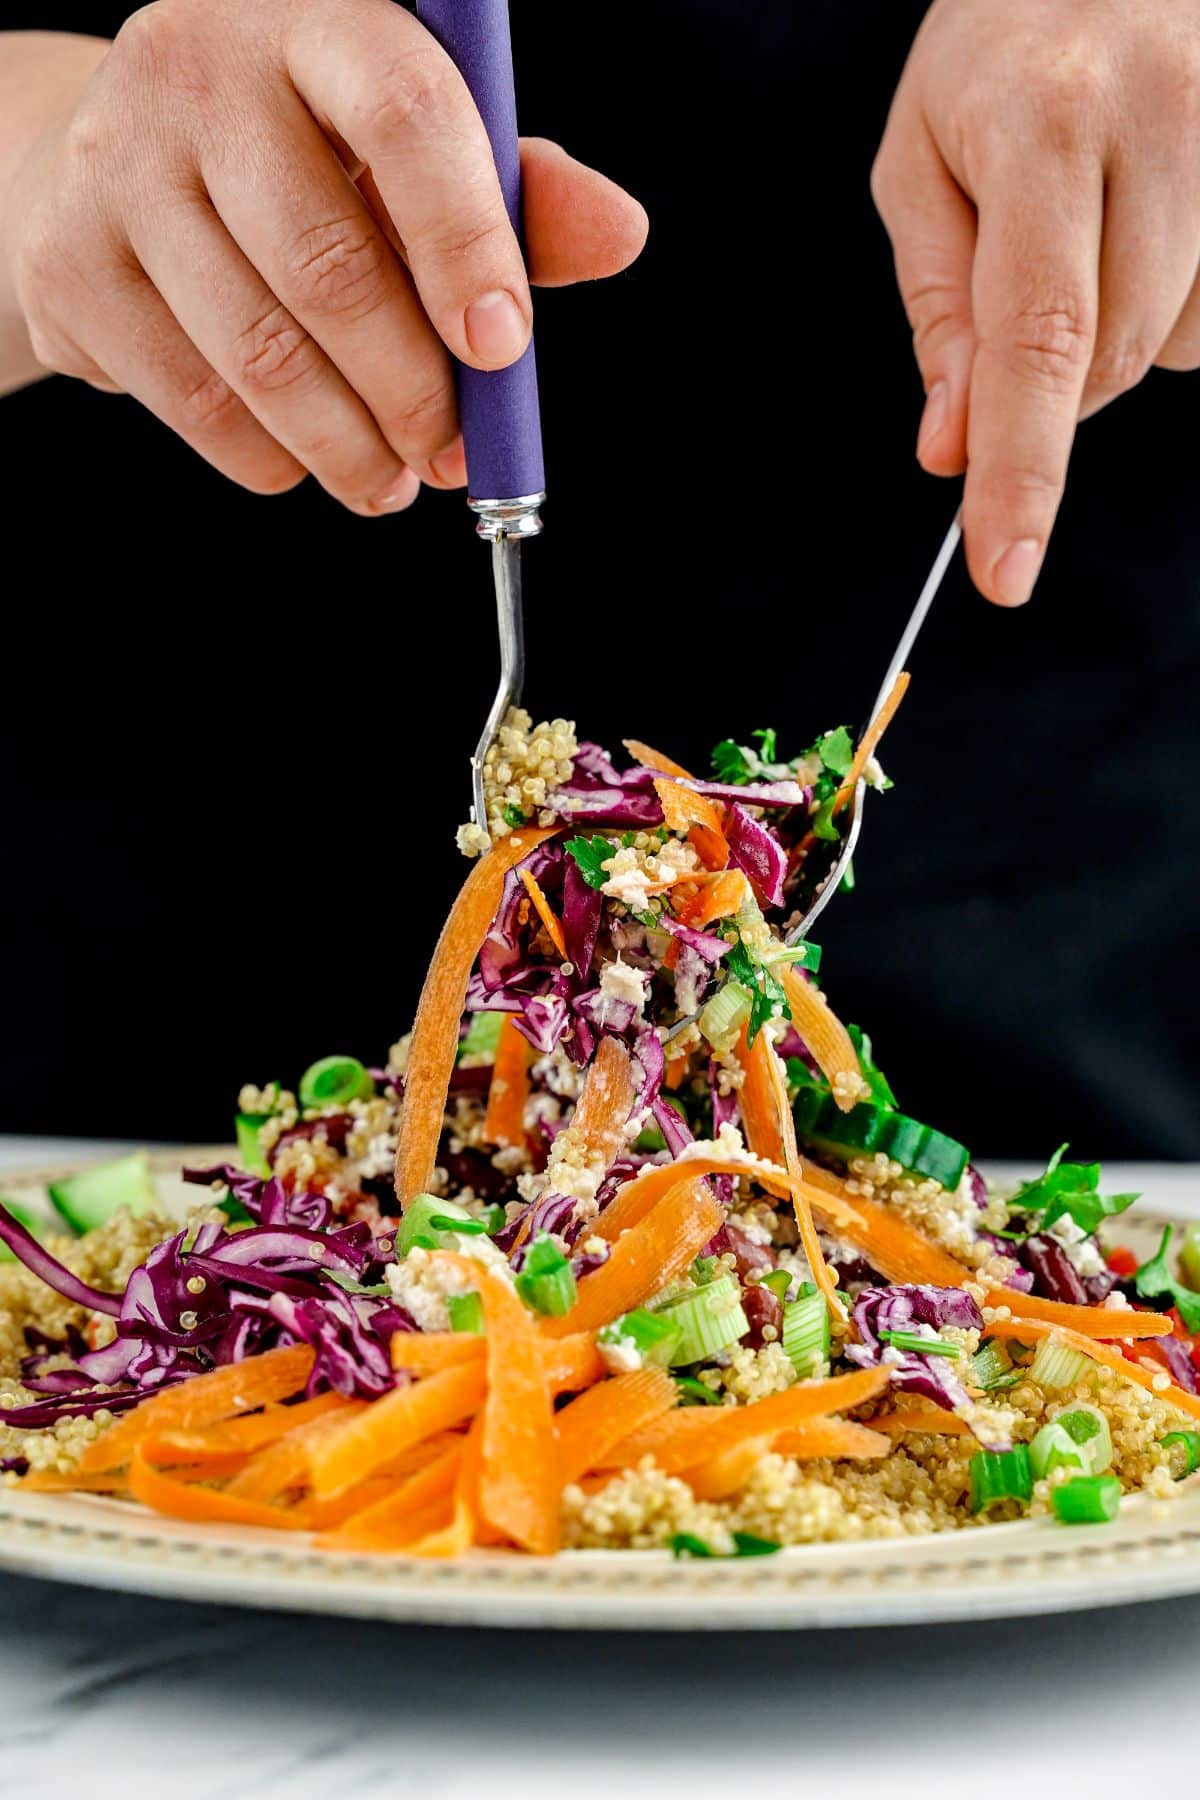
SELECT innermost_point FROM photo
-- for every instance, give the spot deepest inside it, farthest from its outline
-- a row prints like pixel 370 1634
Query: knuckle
pixel 464 230
pixel 1119 366
pixel 1069 93
pixel 425 423
pixel 273 353
pixel 407 96
pixel 210 408
pixel 1050 346
pixel 1026 489
pixel 339 268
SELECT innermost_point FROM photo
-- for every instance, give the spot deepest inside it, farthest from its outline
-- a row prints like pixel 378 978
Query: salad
pixel 628 1244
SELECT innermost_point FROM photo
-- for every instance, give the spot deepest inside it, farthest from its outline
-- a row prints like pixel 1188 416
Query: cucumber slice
pixel 254 1158
pixel 89 1199
pixel 24 1215
pixel 867 1129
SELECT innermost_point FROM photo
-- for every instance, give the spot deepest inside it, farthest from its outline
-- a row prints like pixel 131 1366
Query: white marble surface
pixel 114 1698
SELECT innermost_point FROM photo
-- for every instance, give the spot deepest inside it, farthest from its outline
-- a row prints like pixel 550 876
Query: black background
pixel 235 730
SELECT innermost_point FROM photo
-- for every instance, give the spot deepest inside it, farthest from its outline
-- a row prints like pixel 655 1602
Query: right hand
pixel 271 224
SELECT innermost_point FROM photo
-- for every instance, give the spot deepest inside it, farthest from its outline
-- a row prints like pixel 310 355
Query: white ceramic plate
pixel 1150 1552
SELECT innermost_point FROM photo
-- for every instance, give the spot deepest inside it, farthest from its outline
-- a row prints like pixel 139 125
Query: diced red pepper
pixel 1122 1261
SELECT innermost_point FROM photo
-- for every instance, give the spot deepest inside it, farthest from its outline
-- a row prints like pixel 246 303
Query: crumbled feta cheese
pixel 620 1356
pixel 621 981
pixel 422 1281
pixel 1079 1248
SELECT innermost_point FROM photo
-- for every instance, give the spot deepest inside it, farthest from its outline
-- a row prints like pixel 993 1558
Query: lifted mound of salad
pixel 629 1243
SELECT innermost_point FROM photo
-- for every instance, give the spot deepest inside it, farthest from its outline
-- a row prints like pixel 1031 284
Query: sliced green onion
pixel 1190 1440
pixel 686 1543
pixel 418 1230
pixel 912 1340
pixel 694 1393
pixel 1087 1500
pixel 709 1319
pixel 747 1544
pixel 652 1336
pixel 805 1330
pixel 1087 1427
pixel 514 818
pixel 1058 1366
pixel 464 1227
pixel 547 1281
pixel 335 1081
pixel 1000 1475
pixel 991 1367
pixel 250 1151
pixel 493 1218
pixel 466 1312
pixel 702 1270
pixel 722 1017
pixel 779 1281
pixel 1053 1448
pixel 483 1034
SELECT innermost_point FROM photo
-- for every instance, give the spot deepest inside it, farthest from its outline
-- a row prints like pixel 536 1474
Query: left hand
pixel 1040 181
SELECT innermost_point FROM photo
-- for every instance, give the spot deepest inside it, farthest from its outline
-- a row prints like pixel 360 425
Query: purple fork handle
pixel 499 409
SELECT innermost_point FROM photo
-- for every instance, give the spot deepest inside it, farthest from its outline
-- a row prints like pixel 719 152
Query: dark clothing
pixel 237 729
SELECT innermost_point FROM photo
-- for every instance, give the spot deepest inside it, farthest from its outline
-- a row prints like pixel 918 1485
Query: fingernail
pixel 1016 571
pixel 402 492
pixel 496 330
pixel 934 416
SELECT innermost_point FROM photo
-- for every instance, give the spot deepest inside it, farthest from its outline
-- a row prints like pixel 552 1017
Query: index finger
pixel 392 95
pixel 1035 298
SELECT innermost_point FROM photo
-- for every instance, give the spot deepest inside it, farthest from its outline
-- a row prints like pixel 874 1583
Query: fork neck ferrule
pixel 516 518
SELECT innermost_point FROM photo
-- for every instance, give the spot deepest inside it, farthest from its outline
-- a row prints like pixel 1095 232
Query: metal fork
pixel 908 637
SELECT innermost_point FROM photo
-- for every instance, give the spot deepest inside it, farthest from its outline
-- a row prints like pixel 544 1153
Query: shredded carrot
pixel 519 1478
pixel 715 897
pixel 545 912
pixel 184 1500
pixel 645 1258
pixel 393 1424
pixel 55 1481
pixel 504 1121
pixel 440 1010
pixel 683 809
pixel 242 1436
pixel 284 1464
pixel 1024 1329
pixel 1087 1321
pixel 427 1352
pixel 654 759
pixel 602 1113
pixel 633 1201
pixel 202 1400
pixel 712 847
pixel 572 1363
pixel 683 1440
pixel 185 1465
pixel 728 1471
pixel 453 1538
pixel 327 1515
pixel 381 1525
pixel 836 1438
pixel 769 1113
pixel 676 1070
pixel 825 1036
pixel 932 1419
pixel 869 742
pixel 607 1413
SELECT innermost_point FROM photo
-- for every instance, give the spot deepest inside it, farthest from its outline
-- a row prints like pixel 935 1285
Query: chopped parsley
pixel 514 817
pixel 1070 1190
pixel 876 1080
pixel 745 1543
pixel 1154 1279
pixel 591 854
pixel 767 998
pixel 836 750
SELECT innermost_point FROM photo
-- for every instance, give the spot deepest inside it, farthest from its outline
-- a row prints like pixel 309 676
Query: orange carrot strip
pixel 179 1500
pixel 439 1013
pixel 602 1113
pixel 1024 1329
pixel 184 1466
pixel 376 1526
pixel 504 1121
pixel 393 1424
pixel 869 742
pixel 449 1539
pixel 835 1438
pixel 639 1196
pixel 607 1413
pixel 682 1440
pixel 545 912
pixel 728 1472
pixel 932 1419
pixel 654 759
pixel 54 1481
pixel 284 1464
pixel 327 1515
pixel 825 1036
pixel 716 897
pixel 1086 1321
pixel 645 1258
pixel 572 1363
pixel 677 1067
pixel 770 1075
pixel 520 1479
pixel 202 1400
pixel 682 808
pixel 712 847
pixel 426 1353
pixel 240 1437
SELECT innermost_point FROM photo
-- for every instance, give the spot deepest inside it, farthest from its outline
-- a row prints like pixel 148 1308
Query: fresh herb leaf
pixel 733 763
pixel 1070 1189
pixel 1154 1279
pixel 685 1543
pixel 824 825
pixel 876 1080
pixel 766 744
pixel 750 1545
pixel 836 750
pixel 694 1393
pixel 920 1346
pixel 800 1075
pixel 767 998
pixel 515 817
pixel 649 919
pixel 590 855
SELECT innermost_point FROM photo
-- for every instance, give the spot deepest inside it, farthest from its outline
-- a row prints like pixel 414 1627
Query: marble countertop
pixel 119 1697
